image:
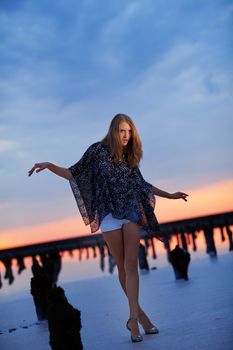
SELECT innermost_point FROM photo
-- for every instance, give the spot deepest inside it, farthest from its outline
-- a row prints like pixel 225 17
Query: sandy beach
pixel 194 314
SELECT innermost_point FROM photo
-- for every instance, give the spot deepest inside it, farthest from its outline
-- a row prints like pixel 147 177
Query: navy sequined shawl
pixel 101 186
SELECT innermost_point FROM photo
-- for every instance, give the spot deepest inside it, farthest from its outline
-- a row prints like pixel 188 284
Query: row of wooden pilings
pixel 185 231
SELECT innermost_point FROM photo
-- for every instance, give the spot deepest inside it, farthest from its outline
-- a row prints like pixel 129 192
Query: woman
pixel 112 195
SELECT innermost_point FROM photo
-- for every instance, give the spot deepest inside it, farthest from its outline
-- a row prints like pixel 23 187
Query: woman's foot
pixel 149 328
pixel 132 326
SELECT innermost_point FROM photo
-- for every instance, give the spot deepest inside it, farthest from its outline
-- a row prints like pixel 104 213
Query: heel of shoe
pixel 134 338
pixel 152 330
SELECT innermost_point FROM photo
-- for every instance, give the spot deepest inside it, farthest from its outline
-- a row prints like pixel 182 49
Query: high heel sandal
pixel 151 330
pixel 134 338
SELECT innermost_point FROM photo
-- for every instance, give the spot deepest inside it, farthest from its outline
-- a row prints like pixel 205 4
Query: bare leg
pixel 142 316
pixel 115 242
pixel 131 236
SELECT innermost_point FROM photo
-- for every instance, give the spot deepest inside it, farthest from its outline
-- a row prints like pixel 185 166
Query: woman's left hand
pixel 178 195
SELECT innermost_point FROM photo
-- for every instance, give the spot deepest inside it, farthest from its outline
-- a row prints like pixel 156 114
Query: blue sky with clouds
pixel 67 67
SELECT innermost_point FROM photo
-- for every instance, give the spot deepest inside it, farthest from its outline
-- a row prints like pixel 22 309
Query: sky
pixel 67 67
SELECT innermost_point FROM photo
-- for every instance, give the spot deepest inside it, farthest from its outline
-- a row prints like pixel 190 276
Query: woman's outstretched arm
pixel 176 195
pixel 63 172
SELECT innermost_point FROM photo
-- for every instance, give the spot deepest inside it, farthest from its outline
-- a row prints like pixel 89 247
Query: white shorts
pixel 109 223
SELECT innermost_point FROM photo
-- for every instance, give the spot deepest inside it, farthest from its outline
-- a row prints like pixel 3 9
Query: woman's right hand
pixel 38 167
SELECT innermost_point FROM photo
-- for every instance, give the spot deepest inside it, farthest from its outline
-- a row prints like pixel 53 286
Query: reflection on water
pixel 89 263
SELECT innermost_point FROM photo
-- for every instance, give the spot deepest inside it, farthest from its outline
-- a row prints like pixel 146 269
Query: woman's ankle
pixel 133 317
pixel 140 312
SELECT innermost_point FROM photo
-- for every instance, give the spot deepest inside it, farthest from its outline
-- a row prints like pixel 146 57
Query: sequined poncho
pixel 101 186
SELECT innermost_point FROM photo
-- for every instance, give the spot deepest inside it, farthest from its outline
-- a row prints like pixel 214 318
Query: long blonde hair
pixel 133 149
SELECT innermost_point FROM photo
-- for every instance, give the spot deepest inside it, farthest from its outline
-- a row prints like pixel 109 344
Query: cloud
pixel 6 145
pixel 5 205
pixel 67 68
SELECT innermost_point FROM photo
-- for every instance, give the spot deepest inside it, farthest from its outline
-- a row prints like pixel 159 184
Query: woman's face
pixel 125 132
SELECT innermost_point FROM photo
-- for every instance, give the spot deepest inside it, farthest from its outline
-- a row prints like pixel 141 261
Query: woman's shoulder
pixel 102 146
pixel 94 146
pixel 98 147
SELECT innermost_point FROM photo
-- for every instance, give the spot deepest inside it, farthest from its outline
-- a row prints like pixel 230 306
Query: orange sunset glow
pixel 213 199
